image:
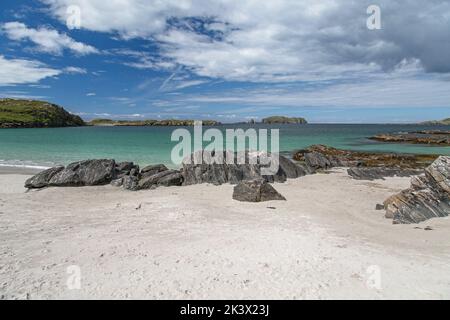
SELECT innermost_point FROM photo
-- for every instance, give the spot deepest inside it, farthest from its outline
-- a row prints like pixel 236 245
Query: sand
pixel 326 241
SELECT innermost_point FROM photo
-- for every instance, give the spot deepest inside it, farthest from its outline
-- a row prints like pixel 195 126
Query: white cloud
pixel 91 94
pixel 46 40
pixel 21 71
pixel 75 70
pixel 277 41
pixel 379 93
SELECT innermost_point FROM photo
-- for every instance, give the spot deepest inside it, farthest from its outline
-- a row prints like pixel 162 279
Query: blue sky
pixel 230 60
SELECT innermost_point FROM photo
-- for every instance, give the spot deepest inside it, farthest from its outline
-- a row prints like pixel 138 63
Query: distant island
pixel 21 113
pixel 284 120
pixel 16 113
pixel 443 122
pixel 141 123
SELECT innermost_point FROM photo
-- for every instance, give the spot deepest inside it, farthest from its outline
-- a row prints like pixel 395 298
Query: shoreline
pixel 195 242
pixel 20 170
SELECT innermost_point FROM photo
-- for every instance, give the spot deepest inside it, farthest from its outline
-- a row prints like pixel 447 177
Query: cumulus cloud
pixel 278 41
pixel 46 40
pixel 21 71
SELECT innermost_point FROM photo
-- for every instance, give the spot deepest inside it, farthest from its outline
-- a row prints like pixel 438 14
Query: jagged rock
pixel 85 173
pixel 172 177
pixel 125 169
pixel 317 160
pixel 134 172
pixel 41 179
pixel 379 206
pixel 428 197
pixel 291 169
pixel 255 191
pixel 153 169
pixel 367 173
pixel 220 172
pixel 130 183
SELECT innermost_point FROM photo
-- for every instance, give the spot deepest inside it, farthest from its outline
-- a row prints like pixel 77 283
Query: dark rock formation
pixel 324 157
pixel 175 178
pixel 126 169
pixel 163 178
pixel 379 206
pixel 42 179
pixel 428 197
pixel 222 172
pixel 130 183
pixel 153 169
pixel 418 137
pixel 372 173
pixel 85 173
pixel 255 191
pixel 82 173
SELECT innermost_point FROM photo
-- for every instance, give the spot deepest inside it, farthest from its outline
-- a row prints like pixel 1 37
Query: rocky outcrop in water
pixel 255 191
pixel 324 157
pixel 433 137
pixel 363 165
pixel 428 197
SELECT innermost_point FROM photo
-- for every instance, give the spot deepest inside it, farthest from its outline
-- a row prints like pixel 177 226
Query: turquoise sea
pixel 149 145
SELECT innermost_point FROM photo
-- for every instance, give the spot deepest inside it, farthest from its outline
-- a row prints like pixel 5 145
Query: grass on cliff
pixel 32 113
pixel 284 120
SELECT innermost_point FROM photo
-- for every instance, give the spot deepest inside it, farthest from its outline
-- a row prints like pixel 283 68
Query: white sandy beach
pixel 326 241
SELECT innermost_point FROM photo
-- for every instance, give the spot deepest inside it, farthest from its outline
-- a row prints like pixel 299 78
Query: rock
pixel 438 174
pixel 117 182
pixel 85 173
pixel 150 182
pixel 222 172
pixel 434 137
pixel 316 160
pixel 255 191
pixel 324 157
pixel 126 168
pixel 153 169
pixel 379 206
pixel 367 173
pixel 134 172
pixel 42 179
pixel 291 169
pixel 172 179
pixel 130 183
pixel 428 197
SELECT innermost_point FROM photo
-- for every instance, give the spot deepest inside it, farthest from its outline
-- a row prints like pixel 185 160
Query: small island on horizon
pixel 21 113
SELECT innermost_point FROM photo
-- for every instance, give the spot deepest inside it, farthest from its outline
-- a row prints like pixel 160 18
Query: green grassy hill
pixel 444 122
pixel 284 120
pixel 35 114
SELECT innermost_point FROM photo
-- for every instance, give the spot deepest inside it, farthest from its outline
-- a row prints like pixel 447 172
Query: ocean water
pixel 150 145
